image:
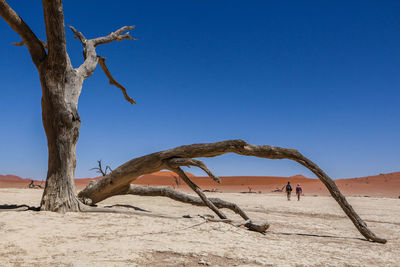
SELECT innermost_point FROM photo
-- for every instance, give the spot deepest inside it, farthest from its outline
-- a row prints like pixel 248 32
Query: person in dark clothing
pixel 288 190
pixel 299 191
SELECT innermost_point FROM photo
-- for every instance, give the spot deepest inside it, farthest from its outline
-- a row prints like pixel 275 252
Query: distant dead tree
pixel 177 181
pixel 212 190
pixel 61 87
pixel 250 191
pixel 33 185
pixel 100 170
pixel 278 189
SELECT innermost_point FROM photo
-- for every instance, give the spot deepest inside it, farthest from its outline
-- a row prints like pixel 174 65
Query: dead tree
pixel 278 189
pixel 100 170
pixel 33 185
pixel 61 88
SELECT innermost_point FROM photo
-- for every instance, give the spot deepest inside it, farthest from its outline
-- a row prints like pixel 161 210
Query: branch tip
pixel 112 81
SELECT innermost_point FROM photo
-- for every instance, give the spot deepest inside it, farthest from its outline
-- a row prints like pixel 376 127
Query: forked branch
pixel 177 162
pixel 115 36
pixel 174 165
pixel 118 181
pixel 100 170
pixel 91 57
pixel 198 191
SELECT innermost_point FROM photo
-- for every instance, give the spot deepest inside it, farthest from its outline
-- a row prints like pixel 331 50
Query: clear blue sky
pixel 319 76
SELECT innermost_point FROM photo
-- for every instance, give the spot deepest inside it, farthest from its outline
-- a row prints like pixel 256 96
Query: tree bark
pixel 61 123
pixel 61 87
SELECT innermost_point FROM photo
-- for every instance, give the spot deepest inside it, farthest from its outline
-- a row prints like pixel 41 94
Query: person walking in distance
pixel 288 190
pixel 299 191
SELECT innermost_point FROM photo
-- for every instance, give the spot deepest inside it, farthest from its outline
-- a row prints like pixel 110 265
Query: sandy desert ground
pixel 312 232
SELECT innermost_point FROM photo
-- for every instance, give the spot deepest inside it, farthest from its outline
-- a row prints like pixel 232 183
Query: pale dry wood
pixel 115 36
pixel 118 181
pixel 174 165
pixel 176 162
pixel 166 191
pixel 198 191
pixel 91 57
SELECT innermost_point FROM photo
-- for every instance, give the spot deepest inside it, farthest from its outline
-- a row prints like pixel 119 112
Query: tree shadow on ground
pixel 126 206
pixel 315 235
pixel 22 207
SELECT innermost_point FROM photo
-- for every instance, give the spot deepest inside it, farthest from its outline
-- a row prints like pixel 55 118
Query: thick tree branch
pixel 55 33
pixel 118 181
pixel 198 191
pixel 174 165
pixel 165 191
pixel 34 45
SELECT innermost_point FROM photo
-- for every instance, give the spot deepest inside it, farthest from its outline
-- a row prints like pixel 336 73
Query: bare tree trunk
pixel 61 123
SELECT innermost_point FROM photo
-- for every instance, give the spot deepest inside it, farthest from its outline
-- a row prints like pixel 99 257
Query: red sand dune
pixel 383 185
pixel 13 181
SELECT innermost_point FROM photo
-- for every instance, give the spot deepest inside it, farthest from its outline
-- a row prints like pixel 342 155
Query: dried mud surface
pixel 310 232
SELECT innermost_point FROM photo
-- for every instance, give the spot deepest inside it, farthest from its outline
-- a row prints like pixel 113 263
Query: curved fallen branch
pixel 118 181
pixel 166 191
pixel 258 226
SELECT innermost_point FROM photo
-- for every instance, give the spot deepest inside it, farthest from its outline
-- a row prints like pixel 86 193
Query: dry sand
pixel 312 232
